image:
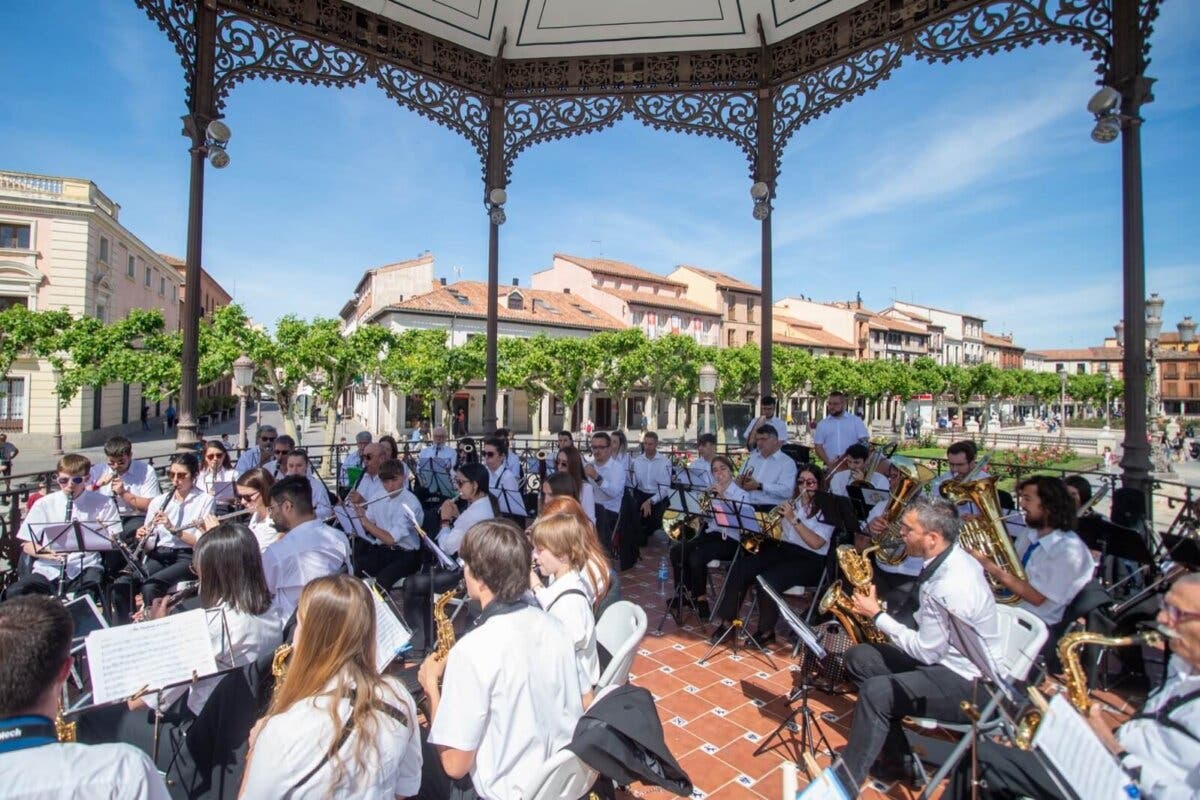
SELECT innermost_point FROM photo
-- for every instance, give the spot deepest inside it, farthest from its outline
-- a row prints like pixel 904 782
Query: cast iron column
pixel 1127 75
pixel 764 172
pixel 194 126
pixel 495 180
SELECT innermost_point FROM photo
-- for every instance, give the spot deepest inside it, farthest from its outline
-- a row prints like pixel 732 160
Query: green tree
pixel 791 367
pixel 421 362
pixel 336 360
pixel 33 333
pixel 673 362
pixel 737 378
pixel 624 361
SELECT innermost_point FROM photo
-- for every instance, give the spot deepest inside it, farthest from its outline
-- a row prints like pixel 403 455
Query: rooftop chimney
pixel 566 290
pixel 516 281
pixel 442 281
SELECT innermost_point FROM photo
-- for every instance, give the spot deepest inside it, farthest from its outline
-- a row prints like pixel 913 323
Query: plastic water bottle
pixel 662 577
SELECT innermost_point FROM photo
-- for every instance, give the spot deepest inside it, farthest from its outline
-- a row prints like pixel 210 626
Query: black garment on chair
pixel 1128 507
pixel 627 537
pixel 621 737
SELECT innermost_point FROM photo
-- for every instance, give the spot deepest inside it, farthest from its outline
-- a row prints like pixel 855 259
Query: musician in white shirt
pixel 174 521
pixel 437 458
pixel 277 466
pixel 701 466
pixel 961 462
pixel 336 728
pixel 217 469
pixel 257 456
pixel 607 476
pixel 568 463
pixel 689 559
pixel 368 486
pixel 797 558
pixel 769 475
pixel 391 521
pixel 1056 561
pixel 561 554
pixel 837 430
pixel 253 491
pixel 896 583
pixel 354 457
pixel 508 449
pixel 35 648
pixel 652 484
pixel 767 416
pixel 857 456
pixel 297 464
pixel 83 571
pixel 507 697
pixel 502 480
pixel 131 483
pixel 922 671
pixel 307 548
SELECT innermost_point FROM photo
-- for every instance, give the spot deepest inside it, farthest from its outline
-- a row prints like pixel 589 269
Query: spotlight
pixel 1104 100
pixel 759 190
pixel 1107 130
pixel 217 156
pixel 498 196
pixel 218 132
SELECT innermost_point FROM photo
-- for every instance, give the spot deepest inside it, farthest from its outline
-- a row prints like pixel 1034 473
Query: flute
pixel 231 515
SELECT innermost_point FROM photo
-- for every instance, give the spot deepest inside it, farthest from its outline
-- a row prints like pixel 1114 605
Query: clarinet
pixel 165 497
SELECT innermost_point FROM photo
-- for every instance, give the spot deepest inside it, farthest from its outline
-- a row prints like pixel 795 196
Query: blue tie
pixel 1029 552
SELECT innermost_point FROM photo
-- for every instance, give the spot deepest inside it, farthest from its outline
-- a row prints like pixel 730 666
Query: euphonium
pixel 890 543
pixel 1075 677
pixel 859 573
pixel 279 663
pixel 870 466
pixel 986 534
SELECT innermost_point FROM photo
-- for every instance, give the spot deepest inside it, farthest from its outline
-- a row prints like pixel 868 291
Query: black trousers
pixel 900 594
pixel 385 564
pixel 606 523
pixel 88 581
pixel 648 525
pixel 166 568
pixel 891 686
pixel 1004 772
pixel 782 564
pixel 113 561
pixel 435 783
pixel 690 560
pixel 418 598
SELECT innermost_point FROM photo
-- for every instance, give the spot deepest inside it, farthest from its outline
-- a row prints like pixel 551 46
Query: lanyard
pixel 23 733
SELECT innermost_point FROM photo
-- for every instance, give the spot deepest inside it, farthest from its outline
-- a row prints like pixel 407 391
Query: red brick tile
pixel 696 675
pixel 739 754
pixel 715 730
pixel 685 704
pixel 679 740
pixel 708 773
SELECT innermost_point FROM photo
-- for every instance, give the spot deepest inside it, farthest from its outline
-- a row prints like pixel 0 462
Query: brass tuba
pixel 857 568
pixel 1075 676
pixel 890 543
pixel 986 534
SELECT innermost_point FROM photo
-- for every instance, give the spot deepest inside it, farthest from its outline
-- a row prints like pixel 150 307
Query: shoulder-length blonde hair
pixel 566 531
pixel 334 656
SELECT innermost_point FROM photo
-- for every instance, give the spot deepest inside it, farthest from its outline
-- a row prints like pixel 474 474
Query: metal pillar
pixel 194 127
pixel 1127 75
pixel 494 197
pixel 764 173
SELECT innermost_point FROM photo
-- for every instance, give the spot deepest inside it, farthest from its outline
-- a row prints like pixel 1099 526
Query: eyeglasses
pixel 213 456
pixel 266 439
pixel 74 480
pixel 247 498
pixel 490 453
pixel 809 482
pixel 282 452
pixel 179 475
pixel 461 481
pixel 1175 615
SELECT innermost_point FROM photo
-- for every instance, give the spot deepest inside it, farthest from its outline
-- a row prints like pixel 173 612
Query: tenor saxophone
pixel 859 573
pixel 443 625
pixel 279 663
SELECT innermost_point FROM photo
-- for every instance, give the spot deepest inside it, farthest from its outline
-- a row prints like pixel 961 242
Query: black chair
pixel 1087 604
pixel 1128 507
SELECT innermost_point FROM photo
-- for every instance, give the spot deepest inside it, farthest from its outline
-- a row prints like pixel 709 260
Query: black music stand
pixel 739 516
pixel 435 478
pixel 809 724
pixel 684 499
pixel 66 539
pixel 1114 540
pixel 838 511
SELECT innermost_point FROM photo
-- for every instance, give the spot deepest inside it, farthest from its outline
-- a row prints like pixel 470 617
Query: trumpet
pixel 1093 500
pixel 540 455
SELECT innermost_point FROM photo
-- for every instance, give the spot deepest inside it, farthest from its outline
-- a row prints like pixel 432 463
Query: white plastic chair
pixel 562 777
pixel 620 629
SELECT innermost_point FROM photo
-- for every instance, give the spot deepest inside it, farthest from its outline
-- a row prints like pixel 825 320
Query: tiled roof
pixel 619 269
pixel 789 330
pixel 174 261
pixel 538 306
pixel 1000 341
pixel 724 281
pixel 1080 354
pixel 883 323
pixel 661 301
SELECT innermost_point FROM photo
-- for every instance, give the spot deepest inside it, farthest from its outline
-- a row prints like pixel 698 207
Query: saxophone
pixel 279 663
pixel 1075 677
pixel 65 731
pixel 857 568
pixel 987 534
pixel 443 625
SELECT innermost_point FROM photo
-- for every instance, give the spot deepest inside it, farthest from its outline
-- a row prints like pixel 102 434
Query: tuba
pixel 986 534
pixel 857 568
pixel 1075 676
pixel 890 542
pixel 879 454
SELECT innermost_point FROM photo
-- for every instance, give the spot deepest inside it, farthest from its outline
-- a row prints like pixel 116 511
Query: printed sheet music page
pixel 150 655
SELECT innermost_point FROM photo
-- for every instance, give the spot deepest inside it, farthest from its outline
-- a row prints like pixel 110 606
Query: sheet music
pixel 351 523
pixel 391 636
pixel 874 496
pixel 223 491
pixel 825 786
pixel 1075 750
pixel 58 537
pixel 153 654
pixel 444 561
pixel 94 536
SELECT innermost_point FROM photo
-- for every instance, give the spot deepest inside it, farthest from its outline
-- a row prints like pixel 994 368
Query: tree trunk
pixel 720 418
pixel 652 409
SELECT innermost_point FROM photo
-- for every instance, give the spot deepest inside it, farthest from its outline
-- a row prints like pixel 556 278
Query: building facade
pixel 739 303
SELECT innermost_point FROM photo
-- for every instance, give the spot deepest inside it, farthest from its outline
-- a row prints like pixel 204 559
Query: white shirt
pixel 587 499
pixel 389 515
pixel 352 459
pixel 777 475
pixel 775 422
pixel 502 484
pixel 1169 759
pixel 911 565
pixel 840 482
pixel 512 463
pixel 814 524
pixel 73 771
pixel 140 479
pixel 263 530
pixel 960 588
pixel 835 434
pixel 579 621
pixel 511 693
pixel 193 508
pixel 450 539
pixel 292 743
pixel 322 505
pixel 208 479
pixel 309 551
pixel 248 460
pixel 250 637
pixel 1058 568
pixel 441 457
pixel 90 507
pixel 653 476
pixel 611 488
pixel 370 487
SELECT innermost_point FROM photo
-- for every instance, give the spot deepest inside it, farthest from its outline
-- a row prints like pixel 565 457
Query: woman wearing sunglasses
pixel 69 571
pixel 253 491
pixel 569 463
pixel 217 468
pixel 472 483
pixel 174 521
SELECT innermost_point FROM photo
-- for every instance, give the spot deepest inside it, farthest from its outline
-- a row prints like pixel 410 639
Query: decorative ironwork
pixel 528 122
pixel 455 108
pixel 248 48
pixel 177 19
pixel 728 115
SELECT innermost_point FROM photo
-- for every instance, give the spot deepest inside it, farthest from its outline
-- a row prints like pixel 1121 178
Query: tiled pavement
pixel 716 714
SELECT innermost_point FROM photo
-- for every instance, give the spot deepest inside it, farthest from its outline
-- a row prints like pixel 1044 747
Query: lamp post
pixel 243 376
pixel 708 386
pixel 56 373
pixel 1154 307
pixel 1107 391
pixel 1062 402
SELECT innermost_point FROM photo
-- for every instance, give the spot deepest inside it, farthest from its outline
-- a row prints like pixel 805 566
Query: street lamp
pixel 708 386
pixel 56 374
pixel 1062 401
pixel 1107 389
pixel 1154 307
pixel 243 376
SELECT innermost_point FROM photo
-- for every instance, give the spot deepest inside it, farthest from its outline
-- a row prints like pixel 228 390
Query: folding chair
pixel 563 777
pixel 620 630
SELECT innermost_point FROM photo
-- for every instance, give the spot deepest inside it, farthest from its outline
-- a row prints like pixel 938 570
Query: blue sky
pixel 972 185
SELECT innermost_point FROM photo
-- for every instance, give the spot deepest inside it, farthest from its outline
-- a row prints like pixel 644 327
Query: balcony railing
pixel 31 184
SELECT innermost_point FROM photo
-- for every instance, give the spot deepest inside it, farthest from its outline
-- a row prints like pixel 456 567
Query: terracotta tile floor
pixel 716 714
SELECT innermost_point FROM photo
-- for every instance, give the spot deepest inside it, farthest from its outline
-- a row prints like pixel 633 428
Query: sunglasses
pixel 282 452
pixel 74 480
pixel 180 475
pixel 266 439
pixel 247 498
pixel 809 482
pixel 214 456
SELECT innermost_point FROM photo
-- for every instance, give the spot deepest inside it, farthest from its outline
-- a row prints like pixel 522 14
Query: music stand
pixel 66 539
pixel 685 500
pixel 1114 540
pixel 838 511
pixel 435 477
pixel 737 516
pixel 809 724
